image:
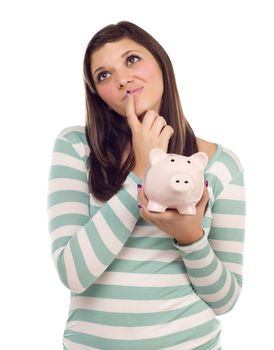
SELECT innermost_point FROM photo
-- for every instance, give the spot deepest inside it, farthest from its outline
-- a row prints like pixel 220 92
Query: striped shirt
pixel 131 286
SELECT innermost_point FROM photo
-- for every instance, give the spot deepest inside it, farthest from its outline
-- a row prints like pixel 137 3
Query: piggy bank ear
pixel 155 155
pixel 201 158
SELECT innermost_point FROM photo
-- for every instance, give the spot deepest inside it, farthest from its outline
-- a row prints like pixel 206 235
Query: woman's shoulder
pixel 220 159
pixel 207 147
pixel 73 133
pixel 76 136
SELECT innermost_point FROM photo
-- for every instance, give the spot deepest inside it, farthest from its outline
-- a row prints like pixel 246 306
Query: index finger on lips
pixel 130 112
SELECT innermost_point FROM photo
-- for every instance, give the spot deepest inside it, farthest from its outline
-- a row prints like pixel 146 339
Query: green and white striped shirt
pixel 131 287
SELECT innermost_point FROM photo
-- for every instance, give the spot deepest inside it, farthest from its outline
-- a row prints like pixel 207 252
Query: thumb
pixel 132 118
pixel 203 203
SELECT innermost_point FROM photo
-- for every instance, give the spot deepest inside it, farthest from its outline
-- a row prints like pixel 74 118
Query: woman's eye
pixel 133 59
pixel 102 76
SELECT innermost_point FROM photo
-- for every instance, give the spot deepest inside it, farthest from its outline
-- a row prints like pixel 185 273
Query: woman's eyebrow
pixel 127 52
pixel 122 56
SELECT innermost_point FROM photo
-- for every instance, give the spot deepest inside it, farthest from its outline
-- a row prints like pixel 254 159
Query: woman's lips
pixel 133 91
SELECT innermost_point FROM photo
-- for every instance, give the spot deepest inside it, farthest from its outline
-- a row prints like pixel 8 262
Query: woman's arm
pixel 214 263
pixel 83 246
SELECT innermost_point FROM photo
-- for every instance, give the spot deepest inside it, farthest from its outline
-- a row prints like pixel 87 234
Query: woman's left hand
pixel 186 229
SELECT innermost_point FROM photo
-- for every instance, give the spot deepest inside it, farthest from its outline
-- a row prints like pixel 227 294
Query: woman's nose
pixel 124 79
pixel 124 82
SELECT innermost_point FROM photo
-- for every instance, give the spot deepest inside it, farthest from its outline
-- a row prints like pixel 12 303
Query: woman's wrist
pixel 195 236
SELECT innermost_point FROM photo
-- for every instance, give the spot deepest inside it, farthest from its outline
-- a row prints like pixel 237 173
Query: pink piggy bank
pixel 174 181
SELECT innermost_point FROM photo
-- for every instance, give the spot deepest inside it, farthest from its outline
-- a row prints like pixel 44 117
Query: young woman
pixel 138 279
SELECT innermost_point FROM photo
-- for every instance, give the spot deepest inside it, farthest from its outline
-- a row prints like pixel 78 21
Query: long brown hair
pixel 108 133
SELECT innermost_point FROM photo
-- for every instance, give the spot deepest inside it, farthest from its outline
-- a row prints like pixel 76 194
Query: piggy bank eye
pixel 189 161
pixel 172 160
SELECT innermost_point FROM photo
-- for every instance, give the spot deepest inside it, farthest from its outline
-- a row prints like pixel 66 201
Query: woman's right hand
pixel 153 132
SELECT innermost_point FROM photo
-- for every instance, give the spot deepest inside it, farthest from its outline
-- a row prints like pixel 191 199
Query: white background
pixel 222 52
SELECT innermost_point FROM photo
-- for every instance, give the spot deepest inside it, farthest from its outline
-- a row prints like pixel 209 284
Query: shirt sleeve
pixel 214 263
pixel 84 245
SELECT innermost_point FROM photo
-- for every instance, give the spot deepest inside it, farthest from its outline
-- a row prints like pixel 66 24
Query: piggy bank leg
pixel 187 210
pixel 153 206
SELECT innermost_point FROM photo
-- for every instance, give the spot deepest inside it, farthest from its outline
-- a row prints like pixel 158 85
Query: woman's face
pixel 126 65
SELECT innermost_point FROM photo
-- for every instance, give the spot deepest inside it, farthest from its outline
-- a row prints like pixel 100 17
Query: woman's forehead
pixel 116 50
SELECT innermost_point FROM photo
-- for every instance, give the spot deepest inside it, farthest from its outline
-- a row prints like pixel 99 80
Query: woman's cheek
pixel 113 100
pixel 148 72
pixel 106 94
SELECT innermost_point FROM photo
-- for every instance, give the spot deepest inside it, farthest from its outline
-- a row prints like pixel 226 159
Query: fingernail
pixel 139 186
pixel 206 183
pixel 140 206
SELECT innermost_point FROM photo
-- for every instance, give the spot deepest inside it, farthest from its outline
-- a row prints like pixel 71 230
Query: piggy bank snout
pixel 181 182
